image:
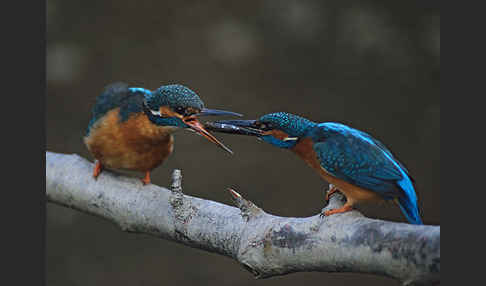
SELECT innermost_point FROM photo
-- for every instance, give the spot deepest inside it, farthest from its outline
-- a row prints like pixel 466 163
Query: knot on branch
pixel 183 210
pixel 248 209
pixel 176 185
pixel 266 245
pixel 176 200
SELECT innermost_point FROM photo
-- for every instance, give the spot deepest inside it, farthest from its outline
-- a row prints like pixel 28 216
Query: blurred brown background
pixel 374 65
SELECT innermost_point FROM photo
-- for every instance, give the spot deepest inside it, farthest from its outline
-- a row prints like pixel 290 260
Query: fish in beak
pixel 241 127
pixel 199 128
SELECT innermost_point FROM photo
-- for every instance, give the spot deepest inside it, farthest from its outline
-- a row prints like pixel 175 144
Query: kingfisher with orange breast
pixel 352 161
pixel 131 127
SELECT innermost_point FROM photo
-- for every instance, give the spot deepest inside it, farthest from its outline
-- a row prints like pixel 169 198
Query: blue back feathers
pixel 113 96
pixel 351 155
pixel 141 90
pixel 358 158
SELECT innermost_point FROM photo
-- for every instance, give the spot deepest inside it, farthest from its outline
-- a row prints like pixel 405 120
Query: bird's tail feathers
pixel 409 209
pixel 408 202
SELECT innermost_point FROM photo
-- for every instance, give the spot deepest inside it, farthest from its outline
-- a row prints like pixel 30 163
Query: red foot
pixel 97 169
pixel 339 210
pixel 146 179
pixel 332 190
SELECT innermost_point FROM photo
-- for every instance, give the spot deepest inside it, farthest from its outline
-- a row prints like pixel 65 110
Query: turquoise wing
pixel 119 94
pixel 353 156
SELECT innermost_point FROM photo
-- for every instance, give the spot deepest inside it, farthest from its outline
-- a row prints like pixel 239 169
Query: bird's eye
pixel 264 126
pixel 180 110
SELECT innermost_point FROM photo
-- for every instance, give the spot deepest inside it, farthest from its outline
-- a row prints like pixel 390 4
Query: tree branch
pixel 264 244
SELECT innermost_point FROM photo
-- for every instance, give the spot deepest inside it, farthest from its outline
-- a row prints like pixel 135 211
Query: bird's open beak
pixel 195 125
pixel 216 112
pixel 241 127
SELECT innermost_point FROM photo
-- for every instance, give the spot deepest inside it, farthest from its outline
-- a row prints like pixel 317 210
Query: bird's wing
pixel 387 151
pixel 356 158
pixel 117 95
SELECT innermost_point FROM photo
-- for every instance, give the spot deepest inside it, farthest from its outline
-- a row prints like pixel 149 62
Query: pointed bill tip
pixel 217 112
pixel 227 149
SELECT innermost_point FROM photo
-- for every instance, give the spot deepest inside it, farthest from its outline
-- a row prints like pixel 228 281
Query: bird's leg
pixel 97 169
pixel 346 208
pixel 332 190
pixel 146 179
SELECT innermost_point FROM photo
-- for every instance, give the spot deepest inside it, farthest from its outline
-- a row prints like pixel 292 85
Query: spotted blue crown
pixel 289 123
pixel 174 95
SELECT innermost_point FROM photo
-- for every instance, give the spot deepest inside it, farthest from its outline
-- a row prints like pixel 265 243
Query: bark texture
pixel 265 244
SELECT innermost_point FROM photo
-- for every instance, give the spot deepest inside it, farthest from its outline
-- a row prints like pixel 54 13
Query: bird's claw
pixel 324 213
pixel 146 180
pixel 97 169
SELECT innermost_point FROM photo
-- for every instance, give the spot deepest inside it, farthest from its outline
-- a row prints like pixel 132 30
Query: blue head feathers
pixel 343 152
pixel 280 129
pixel 294 126
pixel 291 124
pixel 178 98
pixel 175 96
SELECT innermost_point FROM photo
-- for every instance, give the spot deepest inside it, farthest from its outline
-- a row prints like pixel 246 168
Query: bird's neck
pixel 305 150
pixel 141 127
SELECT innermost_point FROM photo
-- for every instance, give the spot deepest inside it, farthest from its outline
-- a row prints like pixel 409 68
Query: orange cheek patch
pixel 191 110
pixel 277 134
pixel 167 112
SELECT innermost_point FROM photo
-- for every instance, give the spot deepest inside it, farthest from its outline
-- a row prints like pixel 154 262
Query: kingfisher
pixel 131 127
pixel 351 161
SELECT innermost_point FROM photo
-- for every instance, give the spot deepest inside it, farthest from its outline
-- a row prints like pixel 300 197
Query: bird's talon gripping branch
pixel 132 128
pixel 97 169
pixel 146 180
pixel 339 210
pixel 268 245
pixel 359 165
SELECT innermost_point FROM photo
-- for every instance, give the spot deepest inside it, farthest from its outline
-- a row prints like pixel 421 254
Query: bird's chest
pixel 304 149
pixel 134 144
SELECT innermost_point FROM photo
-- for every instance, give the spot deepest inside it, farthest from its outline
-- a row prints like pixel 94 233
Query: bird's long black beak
pixel 217 112
pixel 241 127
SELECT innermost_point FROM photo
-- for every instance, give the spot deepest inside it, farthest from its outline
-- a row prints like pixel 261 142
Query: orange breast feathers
pixel 304 149
pixel 135 144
